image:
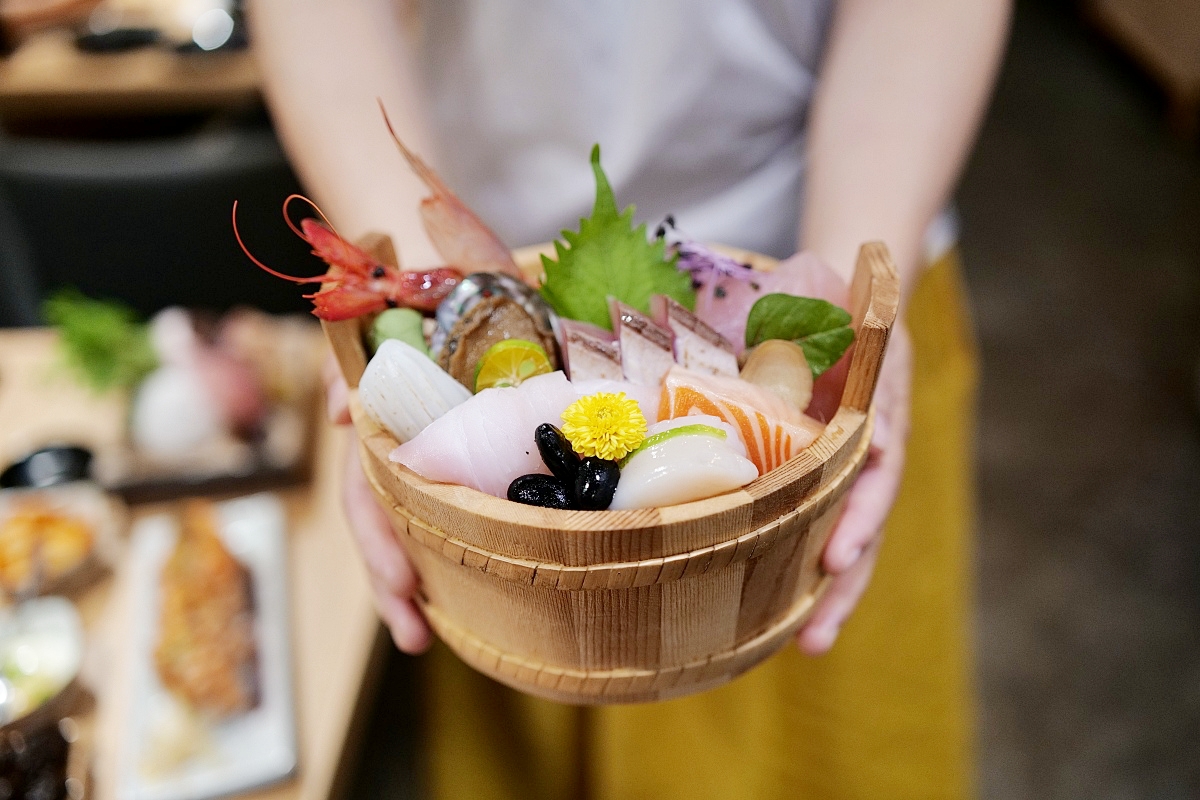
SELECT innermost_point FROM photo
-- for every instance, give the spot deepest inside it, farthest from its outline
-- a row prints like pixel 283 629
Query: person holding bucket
pixel 765 124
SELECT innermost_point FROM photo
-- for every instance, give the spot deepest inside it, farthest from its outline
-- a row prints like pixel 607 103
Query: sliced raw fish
pixel 487 441
pixel 589 352
pixel 697 346
pixel 724 302
pixel 685 467
pixel 404 391
pixel 646 349
pixel 733 438
pixel 772 431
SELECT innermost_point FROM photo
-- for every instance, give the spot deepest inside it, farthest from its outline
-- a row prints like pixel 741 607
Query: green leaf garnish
pixel 610 257
pixel 820 328
pixel 102 342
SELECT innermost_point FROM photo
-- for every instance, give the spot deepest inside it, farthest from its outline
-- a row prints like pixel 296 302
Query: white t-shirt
pixel 699 107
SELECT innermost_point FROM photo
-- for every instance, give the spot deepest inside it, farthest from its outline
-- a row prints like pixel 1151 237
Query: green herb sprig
pixel 102 342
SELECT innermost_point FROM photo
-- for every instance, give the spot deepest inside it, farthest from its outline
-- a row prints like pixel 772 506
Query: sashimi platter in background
pixel 632 371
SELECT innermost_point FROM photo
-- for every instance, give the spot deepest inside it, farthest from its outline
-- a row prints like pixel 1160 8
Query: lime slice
pixel 510 362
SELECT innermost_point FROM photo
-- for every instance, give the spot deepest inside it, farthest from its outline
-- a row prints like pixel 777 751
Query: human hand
pixel 393 579
pixel 854 545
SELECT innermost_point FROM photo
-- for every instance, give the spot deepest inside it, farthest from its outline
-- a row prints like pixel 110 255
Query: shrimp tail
pixel 423 170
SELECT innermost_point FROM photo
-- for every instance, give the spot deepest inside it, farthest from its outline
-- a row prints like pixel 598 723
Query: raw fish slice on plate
pixel 772 431
pixel 724 302
pixel 487 441
pixel 702 459
pixel 589 352
pixel 697 346
pixel 646 352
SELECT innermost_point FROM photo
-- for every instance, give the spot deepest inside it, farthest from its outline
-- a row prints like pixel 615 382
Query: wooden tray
pixel 592 607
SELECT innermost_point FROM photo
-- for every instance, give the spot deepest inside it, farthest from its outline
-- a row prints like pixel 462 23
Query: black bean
pixel 596 483
pixel 557 454
pixel 539 490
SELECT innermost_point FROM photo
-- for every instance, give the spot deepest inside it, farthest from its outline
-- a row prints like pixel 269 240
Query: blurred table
pixel 47 75
pixel 337 646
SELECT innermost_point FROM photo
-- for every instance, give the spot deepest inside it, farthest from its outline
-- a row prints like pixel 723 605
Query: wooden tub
pixel 593 607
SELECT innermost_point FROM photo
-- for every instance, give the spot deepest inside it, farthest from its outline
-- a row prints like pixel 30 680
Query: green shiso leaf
pixel 820 328
pixel 102 342
pixel 610 257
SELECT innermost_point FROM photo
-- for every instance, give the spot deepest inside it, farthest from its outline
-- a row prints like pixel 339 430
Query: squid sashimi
pixel 772 431
pixel 724 301
pixel 684 459
pixel 404 391
pixel 487 441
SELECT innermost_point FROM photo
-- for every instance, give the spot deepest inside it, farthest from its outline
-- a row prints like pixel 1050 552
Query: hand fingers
pixel 870 499
pixel 337 394
pixel 409 630
pixel 393 580
pixel 867 507
pixel 381 551
pixel 821 631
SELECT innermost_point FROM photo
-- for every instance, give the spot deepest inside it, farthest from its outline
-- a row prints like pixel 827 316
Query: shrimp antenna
pixel 427 175
pixel 288 217
pixel 237 235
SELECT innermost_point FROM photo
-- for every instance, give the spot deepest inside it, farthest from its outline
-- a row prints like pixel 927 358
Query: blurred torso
pixel 699 107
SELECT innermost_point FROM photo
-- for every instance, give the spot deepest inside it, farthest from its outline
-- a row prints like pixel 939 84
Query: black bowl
pixel 48 467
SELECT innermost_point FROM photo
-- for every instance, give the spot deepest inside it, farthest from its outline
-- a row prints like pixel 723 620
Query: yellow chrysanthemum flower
pixel 604 424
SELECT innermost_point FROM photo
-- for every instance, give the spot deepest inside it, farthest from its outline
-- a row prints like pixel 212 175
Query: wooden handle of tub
pixel 346 336
pixel 874 299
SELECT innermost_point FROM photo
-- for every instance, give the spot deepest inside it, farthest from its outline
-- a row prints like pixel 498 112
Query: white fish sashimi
pixel 697 346
pixel 683 468
pixel 645 346
pixel 404 391
pixel 487 441
pixel 589 352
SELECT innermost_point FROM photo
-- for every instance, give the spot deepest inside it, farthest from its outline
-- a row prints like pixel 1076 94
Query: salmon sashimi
pixel 772 431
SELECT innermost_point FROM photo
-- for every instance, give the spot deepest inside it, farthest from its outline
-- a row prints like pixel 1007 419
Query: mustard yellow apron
pixel 886 715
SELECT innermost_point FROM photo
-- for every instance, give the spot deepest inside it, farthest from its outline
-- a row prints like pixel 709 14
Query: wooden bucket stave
pixel 629 606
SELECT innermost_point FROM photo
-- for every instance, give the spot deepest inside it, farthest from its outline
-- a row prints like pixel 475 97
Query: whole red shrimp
pixel 356 283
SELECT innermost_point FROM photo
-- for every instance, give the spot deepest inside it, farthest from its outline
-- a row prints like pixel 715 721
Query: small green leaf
pixel 824 349
pixel 103 342
pixel 818 326
pixel 610 257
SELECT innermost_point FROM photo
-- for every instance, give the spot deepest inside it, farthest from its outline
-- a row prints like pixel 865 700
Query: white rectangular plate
pixel 252 749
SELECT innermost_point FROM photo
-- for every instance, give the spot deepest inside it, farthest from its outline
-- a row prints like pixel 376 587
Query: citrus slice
pixel 510 362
